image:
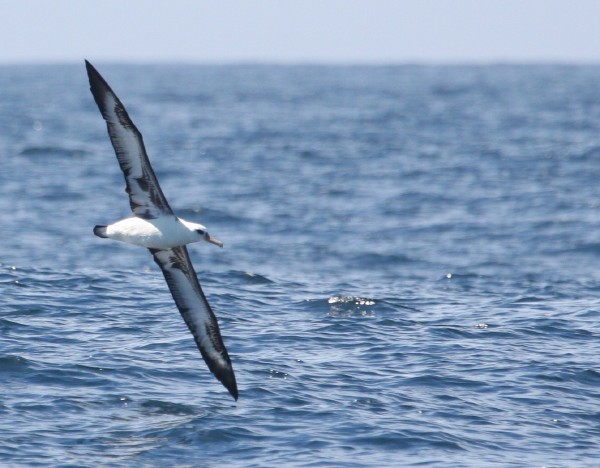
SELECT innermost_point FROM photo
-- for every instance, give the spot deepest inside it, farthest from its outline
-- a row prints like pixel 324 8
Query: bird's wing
pixel 145 196
pixel 190 299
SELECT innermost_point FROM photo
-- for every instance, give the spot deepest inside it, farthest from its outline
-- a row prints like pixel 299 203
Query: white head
pixel 202 234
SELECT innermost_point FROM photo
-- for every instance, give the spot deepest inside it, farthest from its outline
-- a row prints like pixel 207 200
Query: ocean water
pixel 411 271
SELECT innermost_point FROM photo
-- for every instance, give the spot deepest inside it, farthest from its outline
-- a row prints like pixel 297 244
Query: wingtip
pixel 99 88
pixel 91 71
pixel 227 378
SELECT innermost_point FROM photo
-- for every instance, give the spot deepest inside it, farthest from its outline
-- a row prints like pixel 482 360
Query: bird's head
pixel 203 234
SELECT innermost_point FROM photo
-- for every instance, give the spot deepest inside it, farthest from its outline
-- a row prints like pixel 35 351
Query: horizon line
pixel 305 62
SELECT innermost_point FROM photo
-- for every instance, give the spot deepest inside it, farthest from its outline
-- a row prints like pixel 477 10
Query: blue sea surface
pixel 411 271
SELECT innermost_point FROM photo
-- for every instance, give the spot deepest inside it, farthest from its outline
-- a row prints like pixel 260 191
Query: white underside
pixel 161 233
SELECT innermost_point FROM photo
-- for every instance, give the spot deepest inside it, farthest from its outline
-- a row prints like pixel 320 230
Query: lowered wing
pixel 196 312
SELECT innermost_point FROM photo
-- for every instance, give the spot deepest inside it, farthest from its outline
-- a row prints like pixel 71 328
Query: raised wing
pixel 182 280
pixel 145 196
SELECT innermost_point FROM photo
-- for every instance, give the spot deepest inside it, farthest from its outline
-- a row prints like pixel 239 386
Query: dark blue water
pixel 411 271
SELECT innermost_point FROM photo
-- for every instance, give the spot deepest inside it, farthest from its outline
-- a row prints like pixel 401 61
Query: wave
pixel 52 151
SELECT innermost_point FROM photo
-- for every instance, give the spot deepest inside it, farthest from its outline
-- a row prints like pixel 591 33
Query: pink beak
pixel 212 240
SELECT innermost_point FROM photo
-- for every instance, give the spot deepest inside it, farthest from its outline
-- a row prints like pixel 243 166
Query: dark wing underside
pixel 145 196
pixel 196 312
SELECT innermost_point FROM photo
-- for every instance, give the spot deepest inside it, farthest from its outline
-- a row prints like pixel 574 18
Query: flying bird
pixel 154 225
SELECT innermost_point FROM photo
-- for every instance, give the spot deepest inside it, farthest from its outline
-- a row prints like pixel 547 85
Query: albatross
pixel 155 226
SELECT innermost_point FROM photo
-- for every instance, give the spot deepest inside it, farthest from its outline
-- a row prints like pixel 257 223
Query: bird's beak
pixel 212 240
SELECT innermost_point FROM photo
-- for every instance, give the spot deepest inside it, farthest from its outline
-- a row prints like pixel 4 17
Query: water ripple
pixel 410 273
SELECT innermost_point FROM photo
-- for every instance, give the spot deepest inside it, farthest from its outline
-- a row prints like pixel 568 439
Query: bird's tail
pixel 100 231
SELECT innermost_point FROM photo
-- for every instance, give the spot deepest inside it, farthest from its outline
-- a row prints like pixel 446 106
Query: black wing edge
pixel 225 375
pixel 98 87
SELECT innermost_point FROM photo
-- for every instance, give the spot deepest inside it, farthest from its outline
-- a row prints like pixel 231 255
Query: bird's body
pixel 165 232
pixel 153 225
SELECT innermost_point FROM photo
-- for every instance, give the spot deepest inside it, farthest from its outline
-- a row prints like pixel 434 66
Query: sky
pixel 300 31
